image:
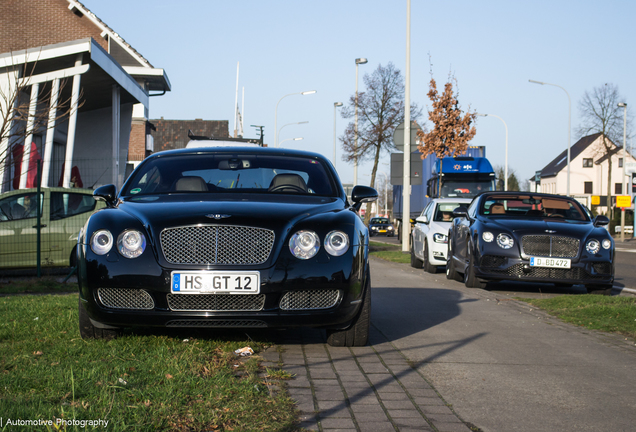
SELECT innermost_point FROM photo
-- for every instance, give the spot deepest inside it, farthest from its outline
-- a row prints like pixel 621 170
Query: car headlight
pixel 440 238
pixel 336 243
pixel 487 236
pixel 304 244
pixel 131 243
pixel 101 242
pixel 593 246
pixel 390 228
pixel 607 243
pixel 505 241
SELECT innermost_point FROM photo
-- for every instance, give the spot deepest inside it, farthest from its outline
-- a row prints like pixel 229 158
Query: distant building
pixel 588 171
pixel 173 134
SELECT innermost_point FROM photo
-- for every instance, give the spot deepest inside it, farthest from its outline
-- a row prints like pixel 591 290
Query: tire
pixel 415 261
pixel 358 333
pixel 451 273
pixel 599 289
pixel 469 277
pixel 89 331
pixel 73 258
pixel 428 267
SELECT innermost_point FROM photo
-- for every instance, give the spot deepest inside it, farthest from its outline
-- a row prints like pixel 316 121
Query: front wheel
pixel 428 267
pixel 358 333
pixel 89 331
pixel 415 261
pixel 469 277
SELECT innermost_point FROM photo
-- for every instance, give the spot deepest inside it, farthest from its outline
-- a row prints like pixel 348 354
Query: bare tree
pixel 380 111
pixel 600 113
pixel 452 130
pixel 19 117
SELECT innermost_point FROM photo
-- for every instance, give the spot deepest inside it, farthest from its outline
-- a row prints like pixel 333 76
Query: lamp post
pixel 569 124
pixel 335 106
pixel 291 139
pixel 289 124
pixel 276 111
pixel 359 61
pixel 506 152
pixel 623 184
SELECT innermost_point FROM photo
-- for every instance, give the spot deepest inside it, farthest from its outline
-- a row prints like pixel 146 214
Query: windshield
pixel 242 173
pixel 444 211
pixel 379 221
pixel 466 189
pixel 528 206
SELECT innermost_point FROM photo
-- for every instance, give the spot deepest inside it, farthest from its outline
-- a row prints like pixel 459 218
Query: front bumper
pixel 597 272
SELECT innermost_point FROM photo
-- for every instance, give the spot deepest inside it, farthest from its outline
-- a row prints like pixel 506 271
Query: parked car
pixel 226 237
pixel 63 213
pixel 429 238
pixel 381 226
pixel 523 236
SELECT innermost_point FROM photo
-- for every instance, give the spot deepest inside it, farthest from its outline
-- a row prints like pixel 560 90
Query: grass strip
pixel 34 285
pixel 138 382
pixel 613 314
pixel 389 252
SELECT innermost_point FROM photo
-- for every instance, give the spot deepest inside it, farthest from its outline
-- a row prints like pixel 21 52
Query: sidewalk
pixel 363 389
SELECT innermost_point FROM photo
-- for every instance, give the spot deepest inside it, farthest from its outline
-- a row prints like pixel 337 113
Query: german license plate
pixel 212 282
pixel 550 262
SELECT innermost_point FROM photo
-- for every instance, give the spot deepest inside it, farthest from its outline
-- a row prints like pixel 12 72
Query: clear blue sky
pixel 491 47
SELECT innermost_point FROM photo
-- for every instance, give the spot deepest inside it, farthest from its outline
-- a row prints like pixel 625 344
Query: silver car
pixel 429 238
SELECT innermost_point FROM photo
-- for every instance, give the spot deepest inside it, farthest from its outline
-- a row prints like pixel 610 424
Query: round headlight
pixel 607 243
pixel 304 244
pixel 131 244
pixel 336 243
pixel 101 242
pixel 440 238
pixel 505 241
pixel 593 246
pixel 487 236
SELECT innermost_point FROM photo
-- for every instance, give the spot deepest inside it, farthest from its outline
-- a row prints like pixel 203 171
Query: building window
pixel 620 162
pixel 588 187
pixel 588 163
pixel 618 188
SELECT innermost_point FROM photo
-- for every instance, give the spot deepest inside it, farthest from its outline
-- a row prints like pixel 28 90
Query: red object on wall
pixel 18 151
pixel 76 179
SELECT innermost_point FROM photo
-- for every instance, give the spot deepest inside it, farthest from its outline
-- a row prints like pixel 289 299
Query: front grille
pixel 216 302
pixel 312 299
pixel 217 323
pixel 517 271
pixel 216 244
pixel 493 261
pixel 550 246
pixel 122 298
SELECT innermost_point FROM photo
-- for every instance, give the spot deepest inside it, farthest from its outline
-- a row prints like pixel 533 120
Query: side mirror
pixel 422 219
pixel 460 212
pixel 363 194
pixel 106 193
pixel 601 220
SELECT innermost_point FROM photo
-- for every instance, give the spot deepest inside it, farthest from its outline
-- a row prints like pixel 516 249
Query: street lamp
pixel 359 61
pixel 335 105
pixel 506 158
pixel 291 139
pixel 289 124
pixel 569 123
pixel 623 184
pixel 276 111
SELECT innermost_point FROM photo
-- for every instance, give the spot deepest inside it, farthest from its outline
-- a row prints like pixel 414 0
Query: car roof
pixel 236 149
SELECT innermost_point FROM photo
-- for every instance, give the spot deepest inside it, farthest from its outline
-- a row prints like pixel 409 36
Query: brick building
pixel 71 53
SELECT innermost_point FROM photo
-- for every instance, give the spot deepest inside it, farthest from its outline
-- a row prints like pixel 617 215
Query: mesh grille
pixel 493 261
pixel 216 323
pixel 550 246
pixel 122 298
pixel 313 299
pixel 216 244
pixel 216 302
pixel 545 273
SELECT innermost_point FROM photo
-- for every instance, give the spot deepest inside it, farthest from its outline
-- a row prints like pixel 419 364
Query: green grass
pixel 138 382
pixel 605 313
pixel 47 284
pixel 389 252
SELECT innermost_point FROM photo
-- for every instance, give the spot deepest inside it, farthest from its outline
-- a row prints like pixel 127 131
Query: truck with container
pixel 463 176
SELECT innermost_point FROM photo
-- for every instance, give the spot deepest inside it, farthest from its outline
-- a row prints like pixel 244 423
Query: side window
pixel 65 204
pixel 429 211
pixel 426 209
pixel 19 207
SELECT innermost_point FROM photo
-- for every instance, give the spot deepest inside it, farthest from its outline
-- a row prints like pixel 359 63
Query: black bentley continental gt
pixel 523 236
pixel 228 237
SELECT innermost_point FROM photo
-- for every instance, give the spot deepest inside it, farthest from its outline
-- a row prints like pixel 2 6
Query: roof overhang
pixel 155 78
pixel 96 83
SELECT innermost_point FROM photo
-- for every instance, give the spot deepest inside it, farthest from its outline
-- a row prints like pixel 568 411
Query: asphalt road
pixel 503 365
